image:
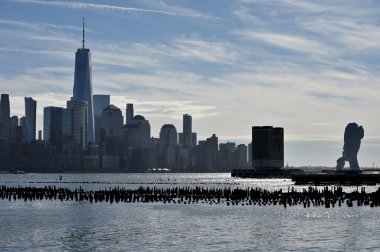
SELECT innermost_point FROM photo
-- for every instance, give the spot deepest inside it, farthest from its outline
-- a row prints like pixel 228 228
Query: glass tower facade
pixel 100 103
pixel 53 132
pixel 83 87
pixel 187 130
pixel 30 119
pixel 5 118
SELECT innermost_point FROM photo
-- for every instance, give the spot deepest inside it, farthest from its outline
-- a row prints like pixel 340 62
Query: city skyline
pixel 294 74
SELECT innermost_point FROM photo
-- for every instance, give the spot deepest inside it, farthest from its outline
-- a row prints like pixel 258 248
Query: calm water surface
pixel 81 226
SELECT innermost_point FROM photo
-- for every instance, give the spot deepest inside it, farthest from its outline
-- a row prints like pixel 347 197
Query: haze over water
pixel 54 225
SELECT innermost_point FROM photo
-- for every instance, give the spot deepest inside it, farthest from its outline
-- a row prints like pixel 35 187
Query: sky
pixel 310 67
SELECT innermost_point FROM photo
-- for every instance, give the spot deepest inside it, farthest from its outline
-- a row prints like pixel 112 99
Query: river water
pixel 81 226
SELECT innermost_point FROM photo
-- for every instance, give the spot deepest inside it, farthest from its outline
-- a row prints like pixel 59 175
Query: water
pixel 81 226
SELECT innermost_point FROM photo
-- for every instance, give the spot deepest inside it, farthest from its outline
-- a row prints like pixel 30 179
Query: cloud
pixel 39 26
pixel 55 54
pixel 334 97
pixel 285 41
pixel 323 7
pixel 354 35
pixel 173 109
pixel 24 35
pixel 211 51
pixel 167 53
pixel 106 7
pixel 161 5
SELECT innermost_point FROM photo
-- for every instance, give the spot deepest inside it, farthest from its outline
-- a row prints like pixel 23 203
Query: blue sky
pixel 308 66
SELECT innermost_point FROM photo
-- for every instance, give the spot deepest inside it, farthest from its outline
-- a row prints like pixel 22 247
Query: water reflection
pixel 81 226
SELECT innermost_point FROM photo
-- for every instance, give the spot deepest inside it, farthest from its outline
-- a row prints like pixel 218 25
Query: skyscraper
pixel 5 128
pixel 100 102
pixel 75 122
pixel 187 131
pixel 30 119
pixel 23 128
pixel 129 113
pixel 168 136
pixel 267 147
pixel 83 85
pixel 111 122
pixel 242 152
pixel 16 130
pixel 137 133
pixel 194 139
pixel 168 149
pixel 53 124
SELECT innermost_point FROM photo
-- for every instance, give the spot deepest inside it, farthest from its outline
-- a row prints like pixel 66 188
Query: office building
pixel 5 128
pixel 229 147
pixel 82 90
pixel 111 122
pixel 100 103
pixel 187 131
pixel 75 122
pixel 168 138
pixel 53 126
pixel 137 133
pixel 180 138
pixel 16 130
pixel 250 153
pixel 267 147
pixel 30 119
pixel 241 155
pixel 194 139
pixel 206 155
pixel 14 121
pixel 129 113
pixel 23 127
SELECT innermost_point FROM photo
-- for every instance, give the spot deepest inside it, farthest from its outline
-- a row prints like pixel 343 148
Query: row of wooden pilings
pixel 312 196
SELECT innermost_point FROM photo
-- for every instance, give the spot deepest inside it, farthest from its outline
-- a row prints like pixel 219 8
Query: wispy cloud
pixel 106 7
pixel 56 54
pixel 345 32
pixel 38 26
pixel 291 42
pixel 163 6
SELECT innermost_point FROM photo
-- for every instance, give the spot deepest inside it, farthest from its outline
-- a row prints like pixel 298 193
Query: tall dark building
pixel 250 153
pixel 267 147
pixel 167 152
pixel 53 126
pixel 194 139
pixel 23 128
pixel 241 155
pixel 75 122
pixel 111 122
pixel 100 102
pixel 206 155
pixel 5 128
pixel 83 86
pixel 30 119
pixel 129 114
pixel 187 131
pixel 16 130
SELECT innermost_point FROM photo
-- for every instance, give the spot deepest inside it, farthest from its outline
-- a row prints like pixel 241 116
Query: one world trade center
pixel 83 85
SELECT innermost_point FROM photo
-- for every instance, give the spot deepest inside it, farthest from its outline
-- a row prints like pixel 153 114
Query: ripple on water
pixel 54 225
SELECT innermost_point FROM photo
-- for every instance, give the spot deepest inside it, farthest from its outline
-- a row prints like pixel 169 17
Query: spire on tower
pixel 83 35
